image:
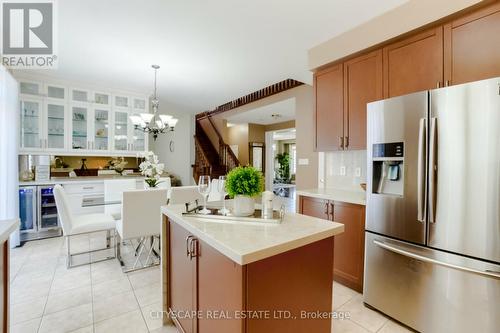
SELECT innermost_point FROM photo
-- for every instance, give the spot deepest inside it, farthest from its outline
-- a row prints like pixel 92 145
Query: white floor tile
pixel 30 326
pixel 69 281
pixel 369 319
pixel 88 329
pixel 145 277
pixel 149 294
pixel 68 299
pixel 347 326
pixel 152 314
pixel 113 306
pixel 25 311
pixel 110 288
pixel 342 294
pixel 131 322
pixel 67 320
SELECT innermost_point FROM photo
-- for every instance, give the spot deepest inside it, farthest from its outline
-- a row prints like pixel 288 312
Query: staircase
pixel 210 160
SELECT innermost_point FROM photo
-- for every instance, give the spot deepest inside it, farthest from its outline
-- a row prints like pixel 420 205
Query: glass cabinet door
pixel 56 92
pixel 79 117
pixel 121 130
pixel 78 95
pixel 101 125
pixel 55 125
pixel 139 104
pixel 31 129
pixel 101 99
pixel 30 88
pixel 121 101
pixel 139 142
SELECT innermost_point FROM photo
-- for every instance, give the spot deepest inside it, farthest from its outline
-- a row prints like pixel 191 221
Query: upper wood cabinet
pixel 414 64
pixel 472 48
pixel 329 109
pixel 362 84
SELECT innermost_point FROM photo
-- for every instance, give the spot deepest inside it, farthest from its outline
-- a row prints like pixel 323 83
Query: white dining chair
pixel 113 189
pixel 141 220
pixel 184 194
pixel 73 225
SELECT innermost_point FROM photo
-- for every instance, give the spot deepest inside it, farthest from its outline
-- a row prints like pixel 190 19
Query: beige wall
pixel 238 135
pixel 405 18
pixel 256 133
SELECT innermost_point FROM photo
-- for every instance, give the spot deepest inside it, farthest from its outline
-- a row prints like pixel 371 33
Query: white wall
pixel 177 162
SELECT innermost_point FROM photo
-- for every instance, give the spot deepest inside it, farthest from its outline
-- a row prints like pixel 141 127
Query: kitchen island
pixel 230 276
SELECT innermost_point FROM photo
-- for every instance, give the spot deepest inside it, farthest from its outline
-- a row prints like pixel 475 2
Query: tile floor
pixel 47 297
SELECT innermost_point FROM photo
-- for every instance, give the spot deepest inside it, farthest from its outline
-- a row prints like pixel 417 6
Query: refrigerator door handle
pixel 419 257
pixel 432 169
pixel 421 197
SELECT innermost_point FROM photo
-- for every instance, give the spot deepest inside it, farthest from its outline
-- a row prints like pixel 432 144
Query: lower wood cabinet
pixel 349 246
pixel 207 292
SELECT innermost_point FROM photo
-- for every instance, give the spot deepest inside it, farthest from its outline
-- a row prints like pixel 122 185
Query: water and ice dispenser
pixel 388 168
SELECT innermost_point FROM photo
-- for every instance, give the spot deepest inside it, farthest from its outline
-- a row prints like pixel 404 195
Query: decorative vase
pixel 243 205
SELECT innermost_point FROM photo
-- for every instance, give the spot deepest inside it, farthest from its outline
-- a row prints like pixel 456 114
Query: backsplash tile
pixel 342 170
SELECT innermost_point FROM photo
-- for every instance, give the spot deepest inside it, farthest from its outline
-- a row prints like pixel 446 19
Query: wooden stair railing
pixel 208 159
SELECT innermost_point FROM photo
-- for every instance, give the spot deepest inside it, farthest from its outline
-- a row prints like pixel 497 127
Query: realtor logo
pixel 28 34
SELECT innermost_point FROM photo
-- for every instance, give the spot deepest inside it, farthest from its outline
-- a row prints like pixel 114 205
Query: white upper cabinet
pixel 59 119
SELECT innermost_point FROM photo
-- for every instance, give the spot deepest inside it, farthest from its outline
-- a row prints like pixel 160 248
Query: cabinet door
pixel 55 120
pixel 349 246
pixel 414 64
pixel 182 278
pixel 79 129
pixel 121 131
pixel 101 129
pixel 329 109
pixel 472 48
pixel 31 122
pixel 314 207
pixel 220 287
pixel 362 84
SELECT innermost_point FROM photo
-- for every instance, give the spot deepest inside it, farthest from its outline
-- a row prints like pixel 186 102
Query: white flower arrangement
pixel 151 168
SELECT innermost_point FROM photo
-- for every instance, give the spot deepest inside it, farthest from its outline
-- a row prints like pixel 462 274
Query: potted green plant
pixel 242 184
pixel 283 171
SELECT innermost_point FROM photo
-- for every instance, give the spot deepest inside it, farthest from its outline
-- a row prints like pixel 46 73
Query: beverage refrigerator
pixel 432 251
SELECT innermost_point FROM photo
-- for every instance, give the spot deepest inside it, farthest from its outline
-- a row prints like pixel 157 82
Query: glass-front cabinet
pixel 56 124
pixel 79 128
pixel 57 118
pixel 101 129
pixel 31 122
pixel 121 130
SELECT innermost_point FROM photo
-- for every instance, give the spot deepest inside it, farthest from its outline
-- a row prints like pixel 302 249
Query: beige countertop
pixel 247 242
pixel 354 197
pixel 7 227
pixel 82 179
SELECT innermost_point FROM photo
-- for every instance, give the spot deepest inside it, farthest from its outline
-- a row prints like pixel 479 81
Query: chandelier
pixel 154 123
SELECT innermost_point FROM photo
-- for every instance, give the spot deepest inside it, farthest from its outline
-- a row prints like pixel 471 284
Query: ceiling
pixel 210 52
pixel 284 111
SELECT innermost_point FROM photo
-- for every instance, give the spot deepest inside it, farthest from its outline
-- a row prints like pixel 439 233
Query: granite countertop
pixel 7 227
pixel 354 197
pixel 247 242
pixel 82 179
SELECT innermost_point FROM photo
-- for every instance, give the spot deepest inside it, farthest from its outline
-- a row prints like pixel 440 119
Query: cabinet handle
pixel 332 207
pixel 327 210
pixel 341 142
pixel 346 141
pixel 438 84
pixel 194 248
pixel 447 83
pixel 188 245
pixel 88 187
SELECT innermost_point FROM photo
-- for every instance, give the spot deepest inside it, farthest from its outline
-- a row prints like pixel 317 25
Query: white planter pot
pixel 243 205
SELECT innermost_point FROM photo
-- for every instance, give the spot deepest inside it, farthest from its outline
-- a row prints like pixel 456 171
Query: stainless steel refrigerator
pixel 432 252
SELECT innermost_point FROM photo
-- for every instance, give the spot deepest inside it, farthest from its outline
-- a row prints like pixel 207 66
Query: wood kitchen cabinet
pixel 349 246
pixel 472 50
pixel 329 109
pixel 414 64
pixel 205 291
pixel 362 84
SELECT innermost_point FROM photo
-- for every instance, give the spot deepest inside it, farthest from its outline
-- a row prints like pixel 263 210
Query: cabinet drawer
pixel 84 188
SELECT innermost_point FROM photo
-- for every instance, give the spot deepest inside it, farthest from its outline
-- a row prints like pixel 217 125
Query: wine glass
pixel 204 190
pixel 221 188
